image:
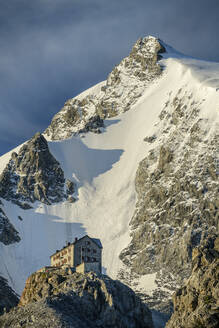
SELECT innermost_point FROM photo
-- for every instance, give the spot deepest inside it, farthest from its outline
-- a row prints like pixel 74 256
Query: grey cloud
pixel 50 50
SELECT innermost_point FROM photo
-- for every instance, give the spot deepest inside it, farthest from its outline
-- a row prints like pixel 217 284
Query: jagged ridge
pixel 64 299
pixel 32 174
pixel 122 89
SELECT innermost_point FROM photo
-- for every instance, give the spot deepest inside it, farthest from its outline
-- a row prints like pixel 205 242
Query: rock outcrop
pixel 130 78
pixel 32 174
pixel 122 89
pixel 8 298
pixel 196 304
pixel 8 234
pixel 177 188
pixel 59 298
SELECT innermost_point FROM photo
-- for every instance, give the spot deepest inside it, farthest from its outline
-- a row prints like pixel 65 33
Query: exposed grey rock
pixel 77 116
pixel 150 139
pixel 93 125
pixel 124 86
pixel 8 234
pixel 32 174
pixel 165 157
pixel 196 304
pixel 177 188
pixel 70 187
pixel 129 79
pixel 61 299
pixel 8 298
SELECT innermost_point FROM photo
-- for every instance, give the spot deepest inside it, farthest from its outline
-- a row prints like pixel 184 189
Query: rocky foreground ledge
pixel 196 304
pixel 63 299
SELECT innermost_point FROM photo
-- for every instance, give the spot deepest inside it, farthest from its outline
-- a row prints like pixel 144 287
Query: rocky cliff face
pixel 62 299
pixel 8 298
pixel 196 304
pixel 177 188
pixel 129 79
pixel 32 174
pixel 122 89
pixel 8 234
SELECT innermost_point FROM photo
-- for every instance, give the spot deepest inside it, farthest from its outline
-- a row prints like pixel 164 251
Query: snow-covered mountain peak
pixel 152 133
pixel 148 46
pixel 123 87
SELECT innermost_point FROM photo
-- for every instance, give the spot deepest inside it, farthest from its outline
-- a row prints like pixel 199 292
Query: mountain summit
pixel 124 85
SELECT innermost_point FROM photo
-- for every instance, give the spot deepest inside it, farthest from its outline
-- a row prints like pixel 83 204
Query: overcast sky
pixel 50 50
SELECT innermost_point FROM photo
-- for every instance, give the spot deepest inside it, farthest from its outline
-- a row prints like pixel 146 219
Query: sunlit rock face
pixel 124 85
pixel 60 298
pixel 129 79
pixel 196 304
pixel 177 188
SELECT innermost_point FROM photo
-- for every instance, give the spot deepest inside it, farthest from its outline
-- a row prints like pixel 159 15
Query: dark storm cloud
pixel 50 50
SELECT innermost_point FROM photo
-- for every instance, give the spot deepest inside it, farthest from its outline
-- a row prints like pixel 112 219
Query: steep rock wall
pixel 32 174
pixel 196 304
pixel 177 188
pixel 62 299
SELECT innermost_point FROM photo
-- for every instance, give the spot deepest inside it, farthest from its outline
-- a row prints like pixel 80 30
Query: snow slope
pixel 104 167
pixel 4 159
